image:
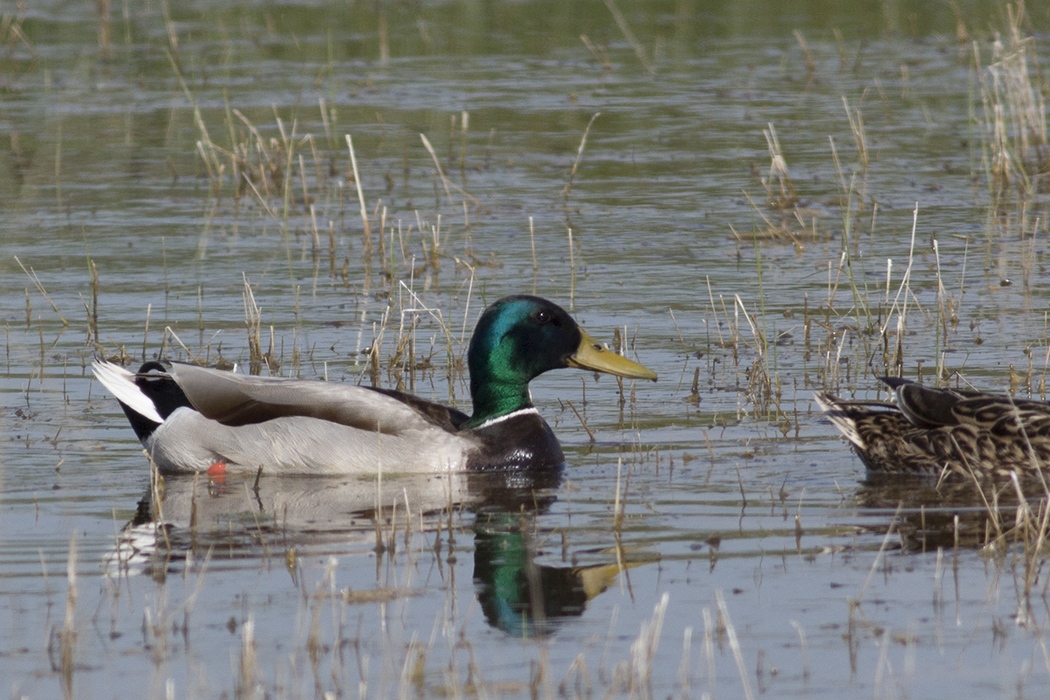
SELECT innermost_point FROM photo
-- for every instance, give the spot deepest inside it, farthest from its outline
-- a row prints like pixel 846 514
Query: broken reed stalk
pixel 288 142
pixel 58 168
pixel 734 645
pixel 643 650
pixel 31 274
pixel 532 243
pixel 618 506
pixel 625 28
pixel 446 183
pixel 253 324
pixel 247 684
pixel 811 65
pixel 68 635
pixel 786 197
pixel 856 126
pixel 93 313
pixel 582 421
pixel 572 273
pixel 378 507
pixel 464 129
pixel 105 43
pixel 567 190
pixel 145 331
pixel 360 198
pixel 900 306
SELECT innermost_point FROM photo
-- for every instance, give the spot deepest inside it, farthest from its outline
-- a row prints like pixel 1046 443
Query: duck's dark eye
pixel 544 317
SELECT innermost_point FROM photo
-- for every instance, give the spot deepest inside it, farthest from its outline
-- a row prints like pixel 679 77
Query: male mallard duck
pixel 932 431
pixel 192 419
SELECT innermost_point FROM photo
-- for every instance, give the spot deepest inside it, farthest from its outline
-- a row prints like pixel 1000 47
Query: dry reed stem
pixel 811 64
pixel 643 650
pixel 856 126
pixel 734 645
pixel 598 52
pixel 448 184
pixel 68 636
pixel 785 197
pixel 625 28
pixel 31 274
pixel 567 189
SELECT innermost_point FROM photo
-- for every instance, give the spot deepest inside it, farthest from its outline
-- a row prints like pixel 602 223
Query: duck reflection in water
pixel 931 514
pixel 525 598
pixel 183 518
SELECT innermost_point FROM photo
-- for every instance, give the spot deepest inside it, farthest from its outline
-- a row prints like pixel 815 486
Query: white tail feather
pixel 121 383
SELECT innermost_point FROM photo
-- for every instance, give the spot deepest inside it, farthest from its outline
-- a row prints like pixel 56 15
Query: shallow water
pixel 721 548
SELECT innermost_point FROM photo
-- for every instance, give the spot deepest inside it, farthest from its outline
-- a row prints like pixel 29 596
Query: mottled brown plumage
pixel 934 431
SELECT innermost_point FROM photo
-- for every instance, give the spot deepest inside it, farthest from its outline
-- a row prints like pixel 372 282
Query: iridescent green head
pixel 519 338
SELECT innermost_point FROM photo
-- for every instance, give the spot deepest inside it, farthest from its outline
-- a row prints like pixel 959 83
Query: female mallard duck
pixel 936 431
pixel 192 419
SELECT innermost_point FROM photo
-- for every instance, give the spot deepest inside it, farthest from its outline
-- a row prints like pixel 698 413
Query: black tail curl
pixel 156 384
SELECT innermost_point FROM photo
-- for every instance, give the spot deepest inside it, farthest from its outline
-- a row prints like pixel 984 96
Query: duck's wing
pixel 925 407
pixel 934 408
pixel 237 399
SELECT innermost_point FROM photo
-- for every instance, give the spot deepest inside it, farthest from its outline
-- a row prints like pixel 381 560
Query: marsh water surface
pixel 755 199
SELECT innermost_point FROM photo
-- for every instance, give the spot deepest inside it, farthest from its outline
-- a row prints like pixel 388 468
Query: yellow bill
pixel 594 356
